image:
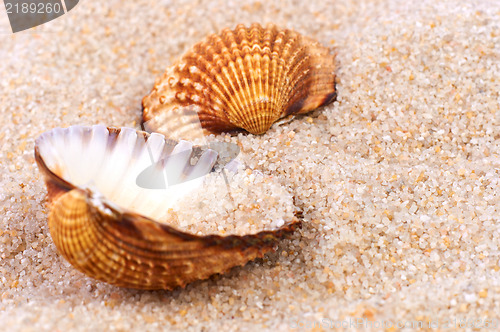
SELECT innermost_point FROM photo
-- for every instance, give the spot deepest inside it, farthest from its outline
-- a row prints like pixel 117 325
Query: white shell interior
pixel 86 157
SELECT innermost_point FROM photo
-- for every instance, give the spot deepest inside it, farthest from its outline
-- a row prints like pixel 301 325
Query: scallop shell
pixel 246 78
pixel 99 216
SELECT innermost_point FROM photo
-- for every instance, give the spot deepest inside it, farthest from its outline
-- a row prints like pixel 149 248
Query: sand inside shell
pixel 250 202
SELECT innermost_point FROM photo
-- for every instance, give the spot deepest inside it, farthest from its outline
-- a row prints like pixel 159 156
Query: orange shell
pixel 111 243
pixel 246 78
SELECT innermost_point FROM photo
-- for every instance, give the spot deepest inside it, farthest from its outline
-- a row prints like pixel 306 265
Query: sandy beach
pixel 398 180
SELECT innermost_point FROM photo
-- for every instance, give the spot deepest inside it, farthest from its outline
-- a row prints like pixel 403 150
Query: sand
pixel 398 180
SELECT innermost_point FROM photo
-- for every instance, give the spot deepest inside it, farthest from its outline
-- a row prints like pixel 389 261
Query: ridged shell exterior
pixel 246 78
pixel 112 244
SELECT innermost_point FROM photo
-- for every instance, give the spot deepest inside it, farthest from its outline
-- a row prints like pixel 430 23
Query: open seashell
pixel 107 226
pixel 246 78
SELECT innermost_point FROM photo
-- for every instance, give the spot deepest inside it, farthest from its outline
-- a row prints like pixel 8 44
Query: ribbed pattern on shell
pixel 132 251
pixel 245 78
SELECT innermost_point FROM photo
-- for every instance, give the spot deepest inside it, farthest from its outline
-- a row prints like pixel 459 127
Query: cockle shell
pixel 104 224
pixel 246 78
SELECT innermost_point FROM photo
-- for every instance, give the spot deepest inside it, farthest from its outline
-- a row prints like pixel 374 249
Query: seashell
pixel 247 78
pixel 107 226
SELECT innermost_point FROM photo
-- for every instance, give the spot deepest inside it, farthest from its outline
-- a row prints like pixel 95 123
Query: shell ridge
pixel 299 85
pixel 215 87
pixel 233 42
pixel 235 102
pixel 225 89
pixel 241 72
pixel 68 238
pixel 280 52
pixel 294 49
pixel 267 40
pixel 127 140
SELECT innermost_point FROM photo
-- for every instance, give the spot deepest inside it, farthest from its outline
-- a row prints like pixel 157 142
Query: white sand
pixel 250 202
pixel 399 180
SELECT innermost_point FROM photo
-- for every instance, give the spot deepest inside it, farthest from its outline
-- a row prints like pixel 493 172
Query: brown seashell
pixel 97 232
pixel 246 78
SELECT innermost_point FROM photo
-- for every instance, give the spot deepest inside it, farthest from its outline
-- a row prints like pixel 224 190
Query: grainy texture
pixel 398 179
